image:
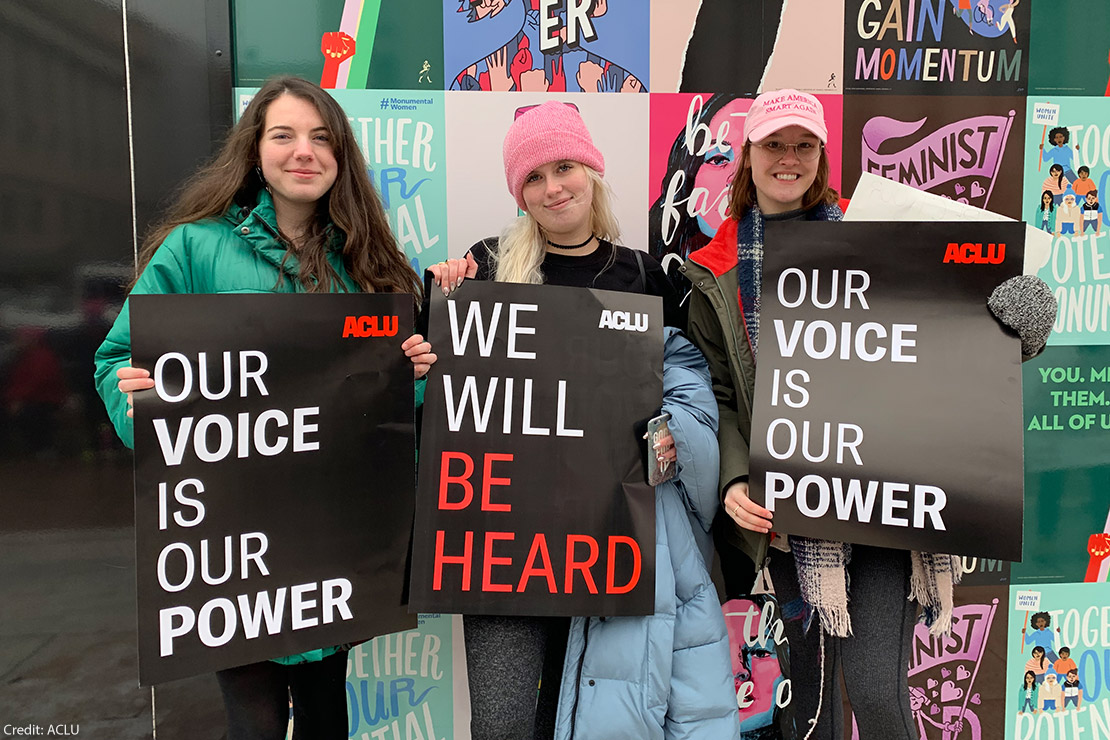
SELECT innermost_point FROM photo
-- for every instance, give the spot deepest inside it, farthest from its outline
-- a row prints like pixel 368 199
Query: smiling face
pixel 1058 139
pixel 559 195
pixel 781 181
pixel 296 156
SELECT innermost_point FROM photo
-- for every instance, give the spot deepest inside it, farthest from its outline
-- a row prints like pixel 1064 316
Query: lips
pixel 559 204
pixel 787 176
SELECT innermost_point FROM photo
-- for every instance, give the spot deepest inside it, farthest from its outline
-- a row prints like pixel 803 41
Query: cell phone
pixel 658 428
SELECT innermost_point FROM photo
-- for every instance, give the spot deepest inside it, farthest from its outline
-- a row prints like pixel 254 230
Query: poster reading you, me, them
pixel 532 498
pixel 273 475
pixel 888 397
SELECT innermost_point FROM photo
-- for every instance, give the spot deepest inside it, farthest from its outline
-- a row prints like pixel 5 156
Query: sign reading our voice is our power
pixel 274 476
pixel 888 397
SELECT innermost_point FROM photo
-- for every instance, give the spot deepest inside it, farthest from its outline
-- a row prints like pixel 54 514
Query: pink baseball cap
pixel 778 109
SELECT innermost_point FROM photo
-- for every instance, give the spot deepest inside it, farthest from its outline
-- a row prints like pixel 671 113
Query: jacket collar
pixel 258 227
pixel 719 255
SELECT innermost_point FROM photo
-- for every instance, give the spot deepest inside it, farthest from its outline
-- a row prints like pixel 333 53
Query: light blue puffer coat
pixel 667 675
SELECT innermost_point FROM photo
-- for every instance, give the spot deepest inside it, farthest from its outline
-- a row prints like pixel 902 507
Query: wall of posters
pixel 964 99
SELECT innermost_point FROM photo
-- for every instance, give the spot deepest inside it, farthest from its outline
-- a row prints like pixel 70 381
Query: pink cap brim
pixel 765 129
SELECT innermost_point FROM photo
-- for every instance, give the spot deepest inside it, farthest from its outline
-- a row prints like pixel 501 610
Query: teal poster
pixel 1068 48
pixel 353 44
pixel 1067 466
pixel 1058 662
pixel 403 686
pixel 1067 174
pixel 401 135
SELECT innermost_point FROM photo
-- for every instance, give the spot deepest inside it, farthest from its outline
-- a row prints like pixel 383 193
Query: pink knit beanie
pixel 547 133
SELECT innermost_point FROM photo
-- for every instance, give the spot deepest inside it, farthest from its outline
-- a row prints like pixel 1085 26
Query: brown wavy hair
pixel 741 195
pixel 352 205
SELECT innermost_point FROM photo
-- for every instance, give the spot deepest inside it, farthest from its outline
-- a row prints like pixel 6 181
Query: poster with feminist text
pixel 887 408
pixel 963 148
pixel 1057 674
pixel 401 136
pixel 556 46
pixel 936 47
pixel 260 529
pixel 1066 160
pixel 1067 507
pixel 695 143
pixel 532 497
pixel 956 681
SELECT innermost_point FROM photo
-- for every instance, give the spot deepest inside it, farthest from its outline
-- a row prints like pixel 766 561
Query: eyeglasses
pixel 806 151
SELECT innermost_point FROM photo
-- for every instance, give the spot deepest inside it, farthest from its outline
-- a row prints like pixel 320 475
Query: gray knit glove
pixel 1025 304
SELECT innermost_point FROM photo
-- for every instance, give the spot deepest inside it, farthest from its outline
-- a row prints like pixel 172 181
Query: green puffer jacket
pixel 238 252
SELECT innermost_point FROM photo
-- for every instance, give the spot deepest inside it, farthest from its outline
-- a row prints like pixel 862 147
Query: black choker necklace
pixel 589 239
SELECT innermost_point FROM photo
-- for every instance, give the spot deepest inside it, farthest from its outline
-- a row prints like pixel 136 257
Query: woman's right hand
pixel 133 379
pixel 745 512
pixel 451 273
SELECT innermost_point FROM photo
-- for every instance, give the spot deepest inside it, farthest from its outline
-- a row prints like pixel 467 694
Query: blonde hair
pixel 522 245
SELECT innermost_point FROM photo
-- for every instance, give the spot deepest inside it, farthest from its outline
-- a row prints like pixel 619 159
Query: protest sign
pixel 888 397
pixel 273 475
pixel 532 497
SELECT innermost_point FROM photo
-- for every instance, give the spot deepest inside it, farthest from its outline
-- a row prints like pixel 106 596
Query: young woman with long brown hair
pixel 285 207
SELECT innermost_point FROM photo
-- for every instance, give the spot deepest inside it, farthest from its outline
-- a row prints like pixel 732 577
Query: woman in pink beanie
pixel 567 232
pixel 643 677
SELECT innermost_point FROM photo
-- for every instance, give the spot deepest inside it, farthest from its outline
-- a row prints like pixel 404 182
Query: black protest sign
pixel 274 479
pixel 532 498
pixel 888 397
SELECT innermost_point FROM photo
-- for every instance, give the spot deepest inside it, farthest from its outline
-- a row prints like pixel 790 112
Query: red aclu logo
pixel 975 253
pixel 370 326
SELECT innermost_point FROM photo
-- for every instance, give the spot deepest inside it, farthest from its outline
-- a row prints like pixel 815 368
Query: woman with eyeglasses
pixel 783 174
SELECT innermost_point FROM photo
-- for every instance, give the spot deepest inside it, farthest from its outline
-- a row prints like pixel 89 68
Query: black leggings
pixel 257 695
pixel 874 659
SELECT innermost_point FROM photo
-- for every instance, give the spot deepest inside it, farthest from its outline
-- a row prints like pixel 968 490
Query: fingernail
pixel 459 283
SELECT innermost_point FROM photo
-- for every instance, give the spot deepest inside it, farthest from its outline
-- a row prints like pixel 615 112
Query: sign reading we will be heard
pixel 532 497
pixel 888 397
pixel 273 475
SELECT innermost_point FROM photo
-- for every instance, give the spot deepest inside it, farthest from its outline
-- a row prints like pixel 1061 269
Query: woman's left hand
pixel 420 352
pixel 665 451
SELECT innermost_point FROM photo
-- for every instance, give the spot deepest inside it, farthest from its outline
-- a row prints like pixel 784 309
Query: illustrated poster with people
pixel 1056 672
pixel 1066 161
pixel 546 45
